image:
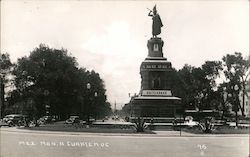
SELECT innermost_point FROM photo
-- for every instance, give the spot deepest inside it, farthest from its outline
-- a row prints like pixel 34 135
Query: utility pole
pixel 115 108
pixel 2 104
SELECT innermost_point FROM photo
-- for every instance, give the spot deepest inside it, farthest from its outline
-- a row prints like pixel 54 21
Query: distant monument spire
pixel 157 23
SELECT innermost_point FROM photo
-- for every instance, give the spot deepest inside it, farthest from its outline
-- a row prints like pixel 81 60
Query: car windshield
pixel 10 116
pixel 73 117
pixel 14 116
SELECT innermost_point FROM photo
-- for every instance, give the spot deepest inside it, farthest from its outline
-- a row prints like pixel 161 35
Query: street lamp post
pixel 47 106
pixel 88 107
pixel 1 97
pixel 236 107
pixel 235 101
pixel 224 96
pixel 2 93
pixel 95 111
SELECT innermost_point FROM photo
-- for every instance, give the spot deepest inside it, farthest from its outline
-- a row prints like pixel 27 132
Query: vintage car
pixel 14 119
pixel 46 119
pixel 73 120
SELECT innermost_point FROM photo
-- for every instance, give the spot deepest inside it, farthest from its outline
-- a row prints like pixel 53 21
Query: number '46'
pixel 202 146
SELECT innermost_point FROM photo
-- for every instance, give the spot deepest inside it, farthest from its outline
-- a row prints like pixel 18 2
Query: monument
pixel 155 98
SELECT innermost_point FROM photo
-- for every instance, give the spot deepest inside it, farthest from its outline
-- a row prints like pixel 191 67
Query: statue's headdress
pixel 154 9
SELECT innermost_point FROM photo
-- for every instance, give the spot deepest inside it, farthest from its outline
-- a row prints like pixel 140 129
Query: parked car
pixel 91 119
pixel 73 120
pixel 46 119
pixel 2 123
pixel 14 119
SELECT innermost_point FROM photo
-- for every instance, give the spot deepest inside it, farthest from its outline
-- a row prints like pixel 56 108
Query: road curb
pixel 184 134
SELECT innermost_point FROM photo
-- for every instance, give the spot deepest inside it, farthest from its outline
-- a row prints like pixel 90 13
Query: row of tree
pixel 49 81
pixel 198 88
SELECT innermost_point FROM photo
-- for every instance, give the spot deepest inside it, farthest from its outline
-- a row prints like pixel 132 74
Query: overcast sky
pixel 111 37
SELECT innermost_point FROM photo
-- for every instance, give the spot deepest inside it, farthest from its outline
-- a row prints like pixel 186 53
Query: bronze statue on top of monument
pixel 157 24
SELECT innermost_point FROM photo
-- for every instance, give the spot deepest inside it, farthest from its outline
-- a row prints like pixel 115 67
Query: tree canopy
pixel 50 81
pixel 195 85
pixel 236 72
pixel 5 69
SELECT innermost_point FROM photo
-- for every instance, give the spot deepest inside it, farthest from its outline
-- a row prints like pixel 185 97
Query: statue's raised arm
pixel 150 12
pixel 157 24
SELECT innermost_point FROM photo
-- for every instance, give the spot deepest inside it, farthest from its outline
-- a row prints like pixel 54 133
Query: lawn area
pixel 220 130
pixel 59 126
pixel 127 128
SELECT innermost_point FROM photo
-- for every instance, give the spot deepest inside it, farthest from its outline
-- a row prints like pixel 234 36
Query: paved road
pixel 16 143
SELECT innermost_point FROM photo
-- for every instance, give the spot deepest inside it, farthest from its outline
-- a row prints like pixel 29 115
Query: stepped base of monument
pixel 160 123
pixel 144 106
pixel 159 120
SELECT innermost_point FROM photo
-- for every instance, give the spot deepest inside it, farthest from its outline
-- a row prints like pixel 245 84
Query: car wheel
pixel 10 124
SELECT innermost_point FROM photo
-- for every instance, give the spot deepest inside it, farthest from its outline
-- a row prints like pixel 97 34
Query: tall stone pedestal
pixel 155 98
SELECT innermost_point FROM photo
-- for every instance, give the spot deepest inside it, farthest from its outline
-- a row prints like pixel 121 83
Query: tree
pixel 183 86
pixel 95 102
pixel 51 80
pixel 210 71
pixel 237 72
pixel 5 68
pixel 195 85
